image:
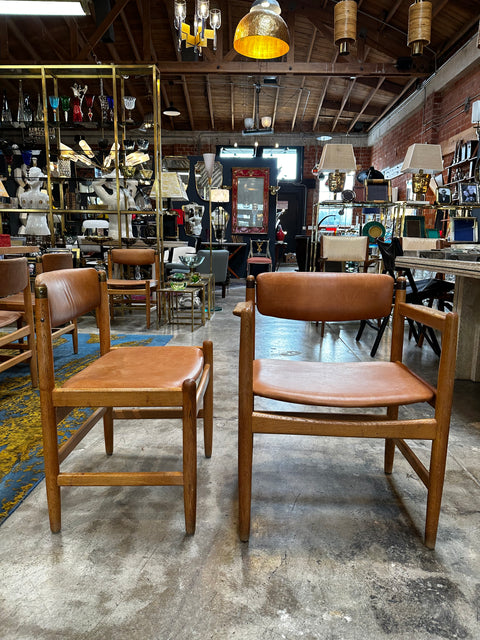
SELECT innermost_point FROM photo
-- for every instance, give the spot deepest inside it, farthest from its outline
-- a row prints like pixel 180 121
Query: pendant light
pixel 345 25
pixel 419 26
pixel 262 34
pixel 171 111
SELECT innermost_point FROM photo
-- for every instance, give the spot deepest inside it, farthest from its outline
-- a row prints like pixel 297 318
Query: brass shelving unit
pixel 49 80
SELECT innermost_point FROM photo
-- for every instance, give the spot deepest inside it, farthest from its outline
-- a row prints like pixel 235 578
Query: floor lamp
pixel 209 161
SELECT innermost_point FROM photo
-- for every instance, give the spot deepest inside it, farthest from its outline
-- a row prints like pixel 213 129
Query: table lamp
pixel 337 159
pixel 422 160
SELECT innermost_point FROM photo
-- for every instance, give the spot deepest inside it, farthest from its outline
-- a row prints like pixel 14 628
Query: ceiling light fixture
pixel 324 138
pixel 171 111
pixel 419 26
pixel 200 36
pixel 43 8
pixel 345 25
pixel 252 125
pixel 262 34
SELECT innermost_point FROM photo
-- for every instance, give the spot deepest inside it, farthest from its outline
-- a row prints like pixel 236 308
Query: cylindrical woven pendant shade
pixel 419 26
pixel 262 35
pixel 345 14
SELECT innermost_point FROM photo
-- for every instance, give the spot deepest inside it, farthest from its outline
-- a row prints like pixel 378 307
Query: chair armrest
pixel 424 315
pixel 242 307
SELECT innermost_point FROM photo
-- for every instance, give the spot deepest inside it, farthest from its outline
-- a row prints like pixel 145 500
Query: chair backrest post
pixel 103 314
pixel 250 290
pixel 398 322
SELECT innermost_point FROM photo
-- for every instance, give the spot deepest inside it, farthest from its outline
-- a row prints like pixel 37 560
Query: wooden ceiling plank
pixel 22 40
pixel 366 103
pixel 210 105
pixel 459 35
pixel 391 104
pixel 73 31
pixel 102 28
pixel 232 104
pixel 52 42
pixel 146 30
pixel 4 51
pixel 130 37
pixel 324 93
pixel 309 57
pixel 344 102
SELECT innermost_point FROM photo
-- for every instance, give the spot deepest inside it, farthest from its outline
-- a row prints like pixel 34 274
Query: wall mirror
pixel 180 165
pixel 201 178
pixel 250 200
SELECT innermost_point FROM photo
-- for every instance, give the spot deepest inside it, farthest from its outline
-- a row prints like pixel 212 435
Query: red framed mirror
pixel 250 200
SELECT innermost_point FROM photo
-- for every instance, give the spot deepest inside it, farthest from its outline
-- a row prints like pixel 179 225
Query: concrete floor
pixel 336 547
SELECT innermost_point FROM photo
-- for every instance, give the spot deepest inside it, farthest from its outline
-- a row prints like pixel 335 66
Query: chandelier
pixel 200 35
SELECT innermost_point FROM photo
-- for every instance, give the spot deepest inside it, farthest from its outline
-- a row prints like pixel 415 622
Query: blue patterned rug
pixel 21 457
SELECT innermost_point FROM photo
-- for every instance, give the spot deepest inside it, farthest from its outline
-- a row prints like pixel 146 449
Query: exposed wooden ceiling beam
pixel 366 103
pixel 324 93
pixel 264 67
pixel 344 101
pixel 102 28
pixel 210 105
pixel 470 25
pixel 309 57
pixel 146 30
pixel 391 104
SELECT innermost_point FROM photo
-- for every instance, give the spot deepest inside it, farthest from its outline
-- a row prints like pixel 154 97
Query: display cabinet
pixel 73 151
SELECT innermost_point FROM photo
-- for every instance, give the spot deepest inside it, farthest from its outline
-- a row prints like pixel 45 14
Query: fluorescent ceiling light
pixel 42 8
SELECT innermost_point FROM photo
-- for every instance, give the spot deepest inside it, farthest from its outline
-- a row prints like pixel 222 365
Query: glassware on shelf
pixel 89 98
pixel 54 103
pixel 39 111
pixel 65 104
pixel 142 144
pixel 27 109
pixel 79 91
pixel 6 113
pixel 129 102
pixel 21 106
pixel 191 261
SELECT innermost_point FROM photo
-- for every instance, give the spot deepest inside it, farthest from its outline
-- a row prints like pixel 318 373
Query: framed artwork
pixel 414 226
pixel 464 229
pixel 444 195
pixel 250 200
pixel 378 191
pixel 468 192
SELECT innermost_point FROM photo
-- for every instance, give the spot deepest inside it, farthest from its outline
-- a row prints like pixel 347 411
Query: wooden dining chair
pixel 259 254
pixel 122 383
pixel 134 290
pixel 356 390
pixel 46 262
pixel 15 280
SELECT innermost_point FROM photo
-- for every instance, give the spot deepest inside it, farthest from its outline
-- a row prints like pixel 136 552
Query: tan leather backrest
pixel 133 256
pixel 54 261
pixel 343 248
pixel 71 293
pixel 324 296
pixel 14 276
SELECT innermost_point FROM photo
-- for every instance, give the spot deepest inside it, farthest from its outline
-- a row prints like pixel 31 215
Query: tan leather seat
pixel 382 387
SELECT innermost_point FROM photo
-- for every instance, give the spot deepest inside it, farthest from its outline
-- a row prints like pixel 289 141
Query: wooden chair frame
pixel 121 290
pixel 15 279
pixel 325 296
pixel 150 382
pixel 16 302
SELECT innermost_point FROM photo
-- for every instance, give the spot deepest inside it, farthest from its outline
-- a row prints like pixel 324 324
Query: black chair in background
pixel 426 290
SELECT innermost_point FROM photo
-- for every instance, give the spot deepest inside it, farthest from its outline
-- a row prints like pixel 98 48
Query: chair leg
pixel 438 461
pixel 148 302
pixel 208 401
pixel 363 324
pixel 75 336
pixel 52 465
pixel 245 457
pixel 389 455
pixel 108 431
pixel 322 332
pixel 189 454
pixel 381 331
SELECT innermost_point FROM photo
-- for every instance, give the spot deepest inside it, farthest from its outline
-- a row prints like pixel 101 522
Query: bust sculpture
pixel 31 196
pixel 105 188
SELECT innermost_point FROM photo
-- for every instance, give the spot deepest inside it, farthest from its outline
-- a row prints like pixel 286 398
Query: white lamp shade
pixel 248 122
pixel 220 195
pixel 337 157
pixel 423 157
pixel 266 122
pixel 209 160
pixel 476 112
pixel 172 187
